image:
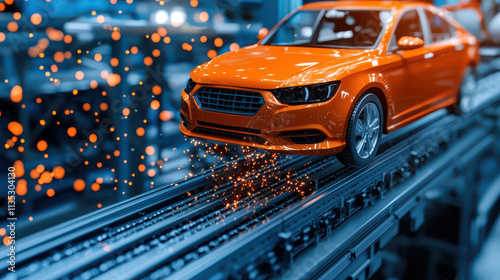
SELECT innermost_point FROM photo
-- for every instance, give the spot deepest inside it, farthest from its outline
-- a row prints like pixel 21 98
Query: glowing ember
pixel 58 172
pixel 204 16
pixel 50 192
pixel 71 131
pixel 150 150
pixel 79 75
pixel 79 185
pixel 218 42
pixel 16 94
pixel 93 138
pixel 36 19
pixel 155 104
pixel 41 145
pixel 21 187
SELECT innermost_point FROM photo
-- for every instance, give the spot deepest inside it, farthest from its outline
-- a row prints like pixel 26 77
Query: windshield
pixel 331 28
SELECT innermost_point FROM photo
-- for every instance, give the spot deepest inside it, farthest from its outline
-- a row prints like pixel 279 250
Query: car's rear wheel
pixel 466 93
pixel 364 132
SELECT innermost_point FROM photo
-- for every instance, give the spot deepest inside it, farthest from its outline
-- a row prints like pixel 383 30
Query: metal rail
pixel 353 254
pixel 134 208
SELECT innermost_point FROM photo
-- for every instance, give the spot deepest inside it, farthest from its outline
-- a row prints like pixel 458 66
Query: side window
pixel 408 25
pixel 440 29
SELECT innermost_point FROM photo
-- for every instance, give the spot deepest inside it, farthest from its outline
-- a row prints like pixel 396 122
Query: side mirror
pixel 410 43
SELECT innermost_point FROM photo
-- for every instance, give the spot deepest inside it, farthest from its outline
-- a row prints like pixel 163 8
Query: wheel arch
pixel 375 89
pixel 381 96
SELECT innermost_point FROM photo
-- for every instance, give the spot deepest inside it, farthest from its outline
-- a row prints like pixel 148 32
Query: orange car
pixel 331 77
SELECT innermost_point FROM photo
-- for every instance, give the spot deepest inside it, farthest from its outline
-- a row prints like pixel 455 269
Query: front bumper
pixel 310 129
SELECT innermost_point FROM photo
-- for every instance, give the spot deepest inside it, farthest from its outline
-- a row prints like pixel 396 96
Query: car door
pixel 410 72
pixel 446 51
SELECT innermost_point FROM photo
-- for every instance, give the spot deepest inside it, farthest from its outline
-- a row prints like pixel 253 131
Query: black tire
pixel 465 102
pixel 350 156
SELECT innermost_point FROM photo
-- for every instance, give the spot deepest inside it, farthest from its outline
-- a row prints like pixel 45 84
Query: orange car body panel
pixel 410 83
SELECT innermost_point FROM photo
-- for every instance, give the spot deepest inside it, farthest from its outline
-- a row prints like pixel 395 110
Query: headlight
pixel 306 94
pixel 190 86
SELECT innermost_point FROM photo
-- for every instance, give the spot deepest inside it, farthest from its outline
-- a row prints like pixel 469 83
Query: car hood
pixel 271 67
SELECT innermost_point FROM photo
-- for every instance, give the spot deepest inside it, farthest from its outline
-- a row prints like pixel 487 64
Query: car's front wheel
pixel 466 94
pixel 364 132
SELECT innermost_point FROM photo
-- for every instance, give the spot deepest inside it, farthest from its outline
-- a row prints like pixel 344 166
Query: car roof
pixel 367 4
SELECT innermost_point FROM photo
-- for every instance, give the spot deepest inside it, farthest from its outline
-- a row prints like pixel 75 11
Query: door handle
pixel 429 55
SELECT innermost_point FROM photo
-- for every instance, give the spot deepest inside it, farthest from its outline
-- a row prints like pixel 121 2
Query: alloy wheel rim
pixel 367 130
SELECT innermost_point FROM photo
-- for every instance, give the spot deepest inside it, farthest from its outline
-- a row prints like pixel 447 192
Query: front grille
pixel 230 134
pixel 229 101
